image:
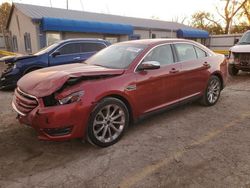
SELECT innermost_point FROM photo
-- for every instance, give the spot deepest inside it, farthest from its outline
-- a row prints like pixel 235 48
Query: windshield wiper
pixel 99 65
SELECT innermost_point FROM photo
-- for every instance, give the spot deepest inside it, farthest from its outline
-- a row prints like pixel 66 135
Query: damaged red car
pixel 99 98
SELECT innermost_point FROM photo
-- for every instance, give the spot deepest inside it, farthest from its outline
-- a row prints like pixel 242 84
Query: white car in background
pixel 239 56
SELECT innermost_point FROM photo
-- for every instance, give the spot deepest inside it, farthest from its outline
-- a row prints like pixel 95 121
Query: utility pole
pixel 67 4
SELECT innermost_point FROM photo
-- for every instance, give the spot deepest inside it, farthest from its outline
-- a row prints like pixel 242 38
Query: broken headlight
pixel 74 97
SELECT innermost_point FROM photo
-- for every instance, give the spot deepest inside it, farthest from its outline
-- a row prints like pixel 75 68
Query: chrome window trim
pixel 207 52
pixel 201 50
pixel 149 52
pixel 178 42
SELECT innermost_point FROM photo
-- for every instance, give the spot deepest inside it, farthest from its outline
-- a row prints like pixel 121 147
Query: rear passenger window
pixel 185 52
pixel 71 48
pixel 162 54
pixel 91 47
pixel 200 53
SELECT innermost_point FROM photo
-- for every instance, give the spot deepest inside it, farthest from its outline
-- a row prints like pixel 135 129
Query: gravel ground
pixel 190 146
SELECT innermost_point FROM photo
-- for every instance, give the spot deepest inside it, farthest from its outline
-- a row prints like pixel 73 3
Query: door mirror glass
pixel 55 53
pixel 149 65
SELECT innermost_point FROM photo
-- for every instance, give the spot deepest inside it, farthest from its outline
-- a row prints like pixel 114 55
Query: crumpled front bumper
pixel 241 65
pixel 58 123
pixel 7 82
pixel 9 78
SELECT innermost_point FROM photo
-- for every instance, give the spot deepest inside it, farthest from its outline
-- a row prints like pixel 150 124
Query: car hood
pixel 46 81
pixel 241 48
pixel 13 59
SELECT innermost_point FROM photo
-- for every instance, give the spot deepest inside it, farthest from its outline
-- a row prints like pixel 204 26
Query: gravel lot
pixel 190 146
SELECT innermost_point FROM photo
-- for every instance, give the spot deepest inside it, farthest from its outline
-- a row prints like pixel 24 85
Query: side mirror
pixel 55 53
pixel 149 65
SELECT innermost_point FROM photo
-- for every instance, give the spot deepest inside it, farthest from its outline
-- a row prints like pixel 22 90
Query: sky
pixel 168 10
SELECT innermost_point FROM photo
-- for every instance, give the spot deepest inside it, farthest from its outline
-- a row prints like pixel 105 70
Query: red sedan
pixel 99 98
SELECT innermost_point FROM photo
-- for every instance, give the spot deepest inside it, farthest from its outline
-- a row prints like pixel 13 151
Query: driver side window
pixel 162 54
pixel 71 48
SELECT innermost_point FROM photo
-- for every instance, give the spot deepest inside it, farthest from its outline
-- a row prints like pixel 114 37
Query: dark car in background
pixel 63 52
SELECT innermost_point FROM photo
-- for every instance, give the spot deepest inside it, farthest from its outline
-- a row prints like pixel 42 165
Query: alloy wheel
pixel 213 91
pixel 109 123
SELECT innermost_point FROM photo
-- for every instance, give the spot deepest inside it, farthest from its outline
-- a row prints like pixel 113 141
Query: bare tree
pixel 206 21
pixel 179 19
pixel 246 11
pixel 231 8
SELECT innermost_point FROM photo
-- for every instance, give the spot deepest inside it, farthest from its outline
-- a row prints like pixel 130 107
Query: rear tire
pixel 107 123
pixel 212 92
pixel 232 70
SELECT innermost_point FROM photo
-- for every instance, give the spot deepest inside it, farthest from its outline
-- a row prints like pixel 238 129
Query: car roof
pixel 154 41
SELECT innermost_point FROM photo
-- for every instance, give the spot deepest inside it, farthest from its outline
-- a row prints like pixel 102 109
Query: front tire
pixel 232 70
pixel 108 122
pixel 212 92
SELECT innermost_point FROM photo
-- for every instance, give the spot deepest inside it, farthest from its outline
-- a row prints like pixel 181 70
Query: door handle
pixel 205 64
pixel 173 70
pixel 76 58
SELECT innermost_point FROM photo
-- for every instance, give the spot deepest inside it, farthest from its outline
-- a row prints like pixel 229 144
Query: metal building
pixel 33 27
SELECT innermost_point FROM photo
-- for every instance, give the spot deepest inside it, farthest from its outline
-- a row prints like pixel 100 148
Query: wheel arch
pixel 126 102
pixel 219 75
pixel 32 68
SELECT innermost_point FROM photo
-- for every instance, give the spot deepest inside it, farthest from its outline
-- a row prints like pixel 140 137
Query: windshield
pixel 47 49
pixel 117 56
pixel 245 39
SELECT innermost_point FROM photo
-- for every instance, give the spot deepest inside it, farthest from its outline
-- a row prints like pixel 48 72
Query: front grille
pixel 24 103
pixel 244 59
pixel 58 131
